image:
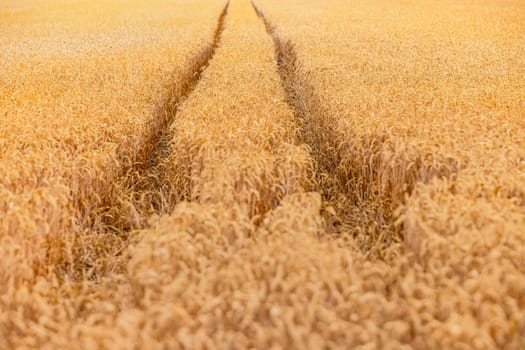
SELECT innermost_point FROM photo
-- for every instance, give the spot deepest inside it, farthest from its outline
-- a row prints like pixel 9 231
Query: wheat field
pixel 275 174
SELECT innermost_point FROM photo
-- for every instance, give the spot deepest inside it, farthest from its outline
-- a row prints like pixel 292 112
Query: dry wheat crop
pixel 85 91
pixel 277 174
pixel 82 104
pixel 415 114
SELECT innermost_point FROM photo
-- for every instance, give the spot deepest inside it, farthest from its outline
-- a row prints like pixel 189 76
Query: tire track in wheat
pixel 350 200
pixel 146 187
pixel 363 187
pixel 314 131
pixel 152 182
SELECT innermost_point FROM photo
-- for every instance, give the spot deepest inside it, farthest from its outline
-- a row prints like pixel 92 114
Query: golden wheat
pixel 425 117
pixel 282 174
pixel 80 85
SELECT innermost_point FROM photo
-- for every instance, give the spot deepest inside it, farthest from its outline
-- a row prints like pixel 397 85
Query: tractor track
pixel 143 188
pixel 315 133
pixel 152 180
pixel 347 209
